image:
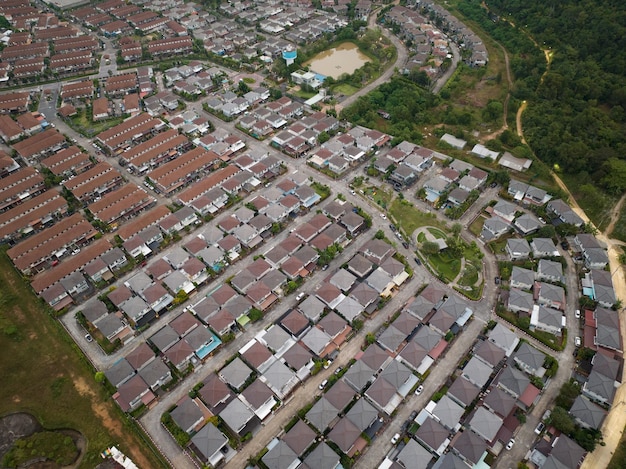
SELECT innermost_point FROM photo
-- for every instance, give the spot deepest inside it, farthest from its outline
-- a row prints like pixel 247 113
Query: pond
pixel 345 58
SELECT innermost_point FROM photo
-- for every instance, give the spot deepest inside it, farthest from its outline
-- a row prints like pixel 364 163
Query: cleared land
pixel 44 374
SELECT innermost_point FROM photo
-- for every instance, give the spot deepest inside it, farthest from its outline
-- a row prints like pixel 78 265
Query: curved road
pixel 615 421
pixel 403 55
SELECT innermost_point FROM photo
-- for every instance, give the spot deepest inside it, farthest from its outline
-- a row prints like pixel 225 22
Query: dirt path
pixel 103 412
pixel 505 106
pixel 615 215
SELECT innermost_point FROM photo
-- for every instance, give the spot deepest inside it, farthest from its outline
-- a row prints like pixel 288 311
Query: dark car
pixel 565 245
pixel 493 184
pixel 392 227
pixel 405 245
pixel 417 261
pixel 413 415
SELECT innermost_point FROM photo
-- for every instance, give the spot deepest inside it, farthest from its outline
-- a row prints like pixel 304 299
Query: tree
pixel 430 248
pixel 456 229
pixel 370 338
pixel 562 421
pixel 243 87
pixel 99 377
pixel 380 234
pixel 323 137
pixel 568 394
pixel 546 231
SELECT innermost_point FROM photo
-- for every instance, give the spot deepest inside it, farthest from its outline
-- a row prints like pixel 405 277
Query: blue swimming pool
pixel 208 348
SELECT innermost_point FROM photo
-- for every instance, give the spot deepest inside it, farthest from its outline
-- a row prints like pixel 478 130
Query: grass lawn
pixel 470 275
pixel 303 94
pixel 410 218
pixel 437 233
pixel 446 265
pixel 498 246
pixel 477 226
pixel 83 124
pixel 380 196
pixel 45 374
pixel 345 89
pixel 421 237
pixel 618 461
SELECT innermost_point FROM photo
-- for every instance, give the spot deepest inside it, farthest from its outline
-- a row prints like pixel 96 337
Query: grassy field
pixel 446 265
pixel 345 89
pixel 45 374
pixel 618 461
pixel 410 218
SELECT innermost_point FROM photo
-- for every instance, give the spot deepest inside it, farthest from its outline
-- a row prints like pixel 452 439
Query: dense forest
pixel 577 118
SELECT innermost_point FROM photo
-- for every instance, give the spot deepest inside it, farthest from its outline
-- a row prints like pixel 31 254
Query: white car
pixel 383 216
pixel 419 390
pixel 300 296
pixel 323 384
pixel 577 314
pixel 88 338
pixel 510 444
pixel 395 438
pixel 577 341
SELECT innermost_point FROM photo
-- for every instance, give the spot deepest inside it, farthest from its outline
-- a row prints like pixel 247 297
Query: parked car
pixel 88 338
pixel 323 384
pixel 539 428
pixel 510 444
pixel 417 261
pixel 300 296
pixel 405 245
pixel 577 341
pixel 413 415
pixel 395 438
pixel 338 370
pixel 577 314
pixel 419 390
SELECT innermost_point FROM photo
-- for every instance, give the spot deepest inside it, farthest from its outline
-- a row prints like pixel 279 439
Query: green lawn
pixel 83 124
pixel 477 226
pixel 618 461
pixel 437 233
pixel 446 265
pixel 470 275
pixel 421 237
pixel 303 94
pixel 409 218
pixel 45 373
pixel 380 196
pixel 345 89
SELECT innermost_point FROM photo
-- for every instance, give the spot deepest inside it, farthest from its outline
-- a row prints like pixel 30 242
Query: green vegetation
pixel 618 461
pixel 53 446
pixel 571 126
pixel 446 264
pixel 83 124
pixel 410 218
pixel 552 341
pixel 322 189
pixel 45 373
pixel 181 437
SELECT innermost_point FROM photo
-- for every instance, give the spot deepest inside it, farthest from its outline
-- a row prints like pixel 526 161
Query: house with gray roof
pixel 451 461
pixel 345 434
pixel 427 338
pixel 415 356
pixel 362 414
pixel 600 388
pixel 499 402
pixel 608 329
pixel 340 395
pixel 414 456
pixel 522 278
pixel 360 266
pixel 485 424
pixel 587 414
pixel 567 452
pixel 358 375
pixel 259 398
pixel 391 338
pixel 120 372
pixel 299 437
pixel 463 392
pixel 406 323
pixel 550 271
pixel 280 456
pixel 165 338
pixel 343 280
pixel 349 308
pixel 208 443
pixel 237 415
pixel 277 340
pixel 477 372
pixel 140 356
pixel 512 381
pixel 543 247
pixel 322 457
pixel 235 373
pixel 187 415
pixel 448 413
pixel 215 392
pixel 530 360
pixel 547 319
pixel 469 447
pixel 489 353
pixel 280 379
pixel 433 436
pixel 493 228
pixel 526 224
pixel 604 295
pixel 420 307
pixel 156 374
pixel 136 309
pixel 550 295
pixel 376 358
pixel 517 249
pixel 520 300
pixel 316 341
pixel 380 281
pixel 505 210
pixel 400 376
pixel 312 307
pixel 322 414
pixel 504 338
pixel 365 295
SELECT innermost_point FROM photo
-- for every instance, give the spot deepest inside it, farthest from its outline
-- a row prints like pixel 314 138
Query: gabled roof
pixel 463 391
pixel 432 433
pixel 469 445
pixel 588 412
